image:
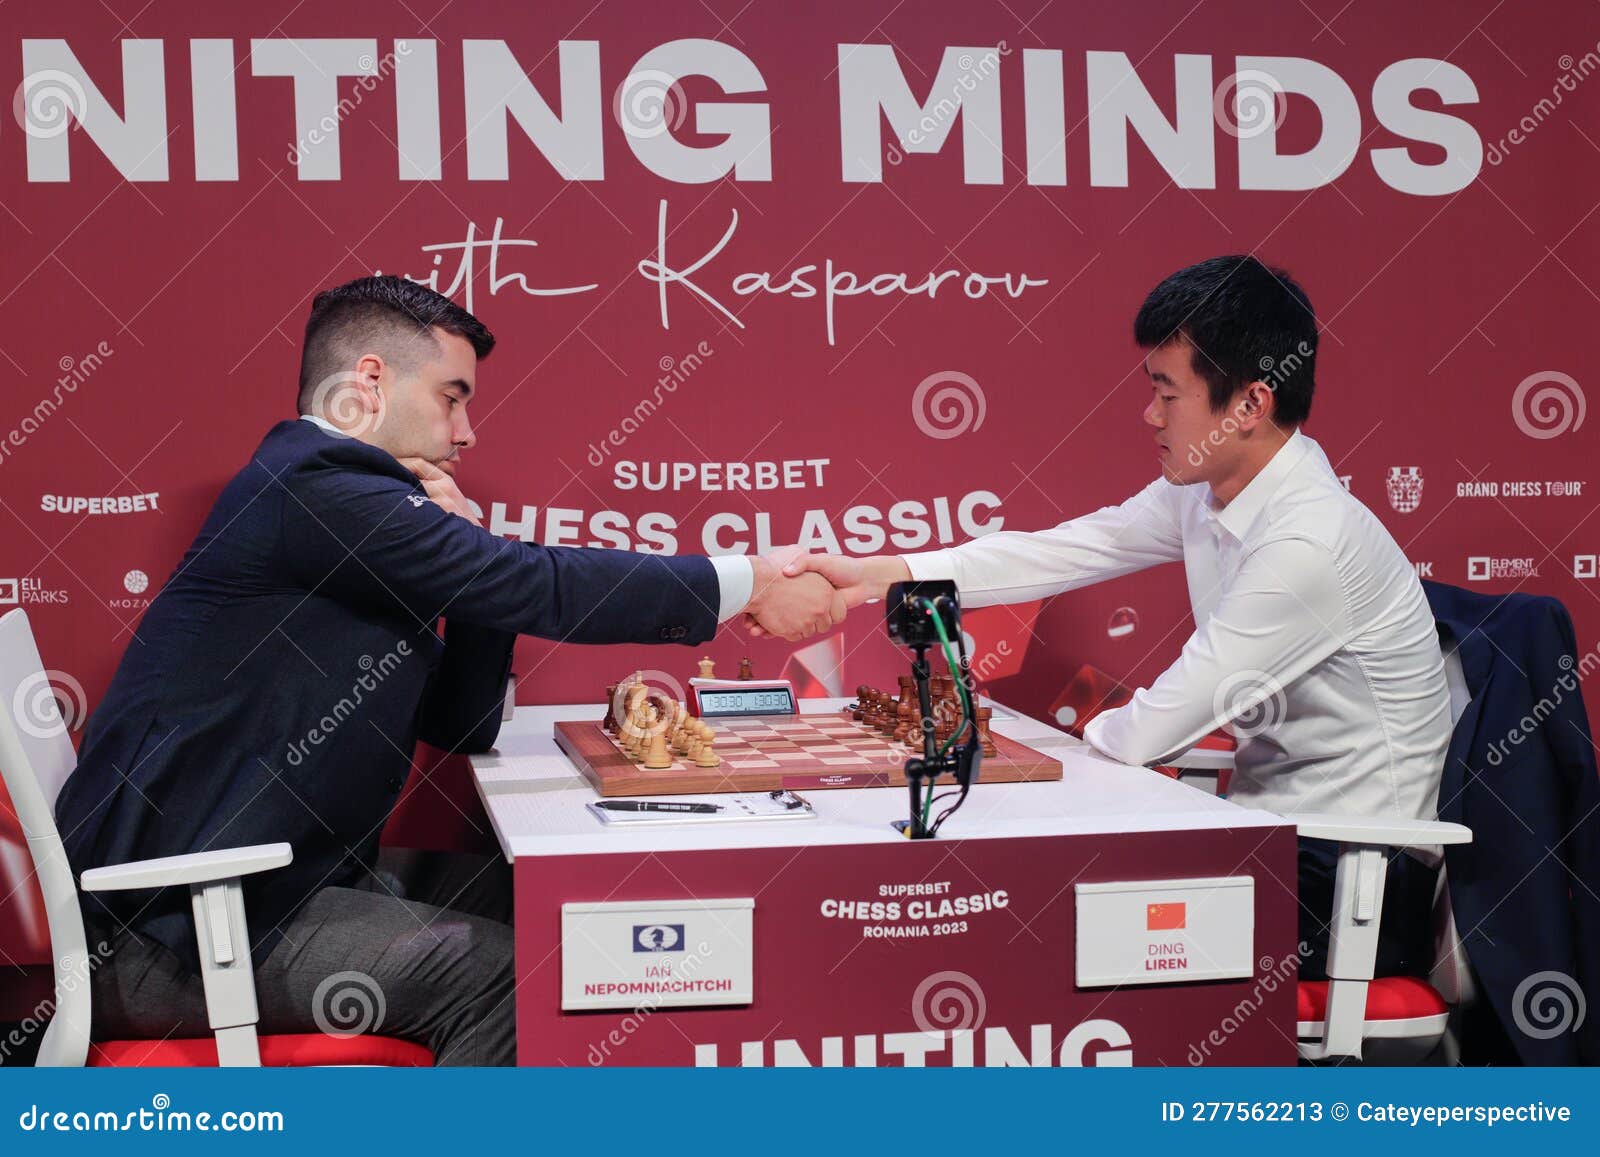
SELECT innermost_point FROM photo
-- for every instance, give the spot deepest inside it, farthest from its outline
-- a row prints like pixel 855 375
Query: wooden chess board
pixel 769 752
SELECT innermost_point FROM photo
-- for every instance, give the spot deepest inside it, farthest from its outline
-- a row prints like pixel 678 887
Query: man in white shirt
pixel 1313 641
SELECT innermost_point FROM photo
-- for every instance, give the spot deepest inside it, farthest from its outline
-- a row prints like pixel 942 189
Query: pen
pixel 645 805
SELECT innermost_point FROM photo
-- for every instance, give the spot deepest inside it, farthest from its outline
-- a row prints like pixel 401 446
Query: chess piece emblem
pixel 1404 485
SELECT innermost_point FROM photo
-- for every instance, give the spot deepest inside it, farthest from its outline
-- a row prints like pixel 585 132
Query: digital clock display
pixel 756 701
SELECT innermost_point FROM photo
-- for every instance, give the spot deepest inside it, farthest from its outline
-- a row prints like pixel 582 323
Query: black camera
pixel 926 616
pixel 908 619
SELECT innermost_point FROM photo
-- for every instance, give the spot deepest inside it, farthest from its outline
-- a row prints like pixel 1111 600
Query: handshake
pixel 797 595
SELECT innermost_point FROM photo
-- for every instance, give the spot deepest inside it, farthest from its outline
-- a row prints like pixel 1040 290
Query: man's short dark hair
pixel 390 316
pixel 1245 322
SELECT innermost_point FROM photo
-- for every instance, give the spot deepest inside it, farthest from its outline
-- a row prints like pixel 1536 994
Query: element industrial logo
pixel 1482 568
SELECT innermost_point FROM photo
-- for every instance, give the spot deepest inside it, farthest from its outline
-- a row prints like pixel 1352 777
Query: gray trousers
pixel 432 964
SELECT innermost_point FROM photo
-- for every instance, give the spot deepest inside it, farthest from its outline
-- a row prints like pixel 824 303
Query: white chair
pixel 1339 1016
pixel 36 757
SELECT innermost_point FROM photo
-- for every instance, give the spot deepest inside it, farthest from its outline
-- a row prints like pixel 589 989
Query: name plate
pixel 657 954
pixel 1165 931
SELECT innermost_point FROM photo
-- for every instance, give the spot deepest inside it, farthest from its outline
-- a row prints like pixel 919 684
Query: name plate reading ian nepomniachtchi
pixel 657 953
pixel 1165 931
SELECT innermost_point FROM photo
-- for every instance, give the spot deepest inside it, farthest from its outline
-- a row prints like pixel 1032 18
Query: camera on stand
pixel 922 616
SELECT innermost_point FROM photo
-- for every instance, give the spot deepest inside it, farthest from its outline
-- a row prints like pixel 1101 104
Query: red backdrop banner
pixel 857 276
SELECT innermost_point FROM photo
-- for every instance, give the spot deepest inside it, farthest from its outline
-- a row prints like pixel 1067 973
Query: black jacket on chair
pixel 1521 774
pixel 277 686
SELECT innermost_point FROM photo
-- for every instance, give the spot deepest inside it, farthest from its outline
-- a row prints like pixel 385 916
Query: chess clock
pixel 736 698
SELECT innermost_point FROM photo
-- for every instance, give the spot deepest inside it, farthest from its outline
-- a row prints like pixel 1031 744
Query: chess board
pixel 769 752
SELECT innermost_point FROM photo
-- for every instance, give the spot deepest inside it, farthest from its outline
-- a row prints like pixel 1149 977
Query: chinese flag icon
pixel 1163 917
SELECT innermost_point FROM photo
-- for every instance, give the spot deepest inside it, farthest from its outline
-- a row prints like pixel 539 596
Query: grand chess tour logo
pixel 658 938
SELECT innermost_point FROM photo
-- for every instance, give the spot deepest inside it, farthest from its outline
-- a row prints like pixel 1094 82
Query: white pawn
pixel 705 755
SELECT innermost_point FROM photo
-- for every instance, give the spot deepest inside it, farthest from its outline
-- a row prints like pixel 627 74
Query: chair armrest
pixel 195 868
pixel 1202 759
pixel 1394 833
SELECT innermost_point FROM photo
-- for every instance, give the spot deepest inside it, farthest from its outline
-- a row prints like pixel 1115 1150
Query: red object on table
pixel 1088 693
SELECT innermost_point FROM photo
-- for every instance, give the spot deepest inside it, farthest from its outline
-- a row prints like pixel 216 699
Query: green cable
pixel 955 668
pixel 966 703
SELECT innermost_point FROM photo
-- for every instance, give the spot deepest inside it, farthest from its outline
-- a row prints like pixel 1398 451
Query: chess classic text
pixel 912 911
pixel 862 528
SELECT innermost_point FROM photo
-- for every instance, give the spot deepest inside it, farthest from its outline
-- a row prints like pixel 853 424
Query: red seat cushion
pixel 1388 998
pixel 289 1050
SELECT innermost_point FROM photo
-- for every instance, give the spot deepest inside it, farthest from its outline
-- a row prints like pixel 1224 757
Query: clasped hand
pixel 790 606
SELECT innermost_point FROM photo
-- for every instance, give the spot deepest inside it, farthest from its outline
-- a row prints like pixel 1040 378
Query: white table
pixel 535 797
pixel 833 981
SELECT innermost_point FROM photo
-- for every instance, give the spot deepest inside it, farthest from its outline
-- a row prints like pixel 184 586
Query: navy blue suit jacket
pixel 1521 774
pixel 276 687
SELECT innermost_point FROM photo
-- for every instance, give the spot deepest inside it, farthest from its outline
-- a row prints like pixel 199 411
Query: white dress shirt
pixel 1313 640
pixel 736 575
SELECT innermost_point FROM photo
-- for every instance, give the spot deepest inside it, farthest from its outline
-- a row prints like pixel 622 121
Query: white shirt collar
pixel 1239 515
pixel 317 420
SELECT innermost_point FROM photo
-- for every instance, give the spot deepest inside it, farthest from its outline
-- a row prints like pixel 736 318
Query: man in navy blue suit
pixel 277 686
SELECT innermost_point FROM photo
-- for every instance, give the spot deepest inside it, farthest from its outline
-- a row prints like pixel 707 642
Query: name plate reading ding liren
pixel 1165 931
pixel 657 953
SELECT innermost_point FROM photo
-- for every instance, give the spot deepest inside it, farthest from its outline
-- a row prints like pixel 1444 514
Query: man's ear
pixel 368 376
pixel 1257 404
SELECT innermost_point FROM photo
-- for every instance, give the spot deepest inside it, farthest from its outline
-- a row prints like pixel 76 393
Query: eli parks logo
pixel 27 591
pixel 658 937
